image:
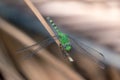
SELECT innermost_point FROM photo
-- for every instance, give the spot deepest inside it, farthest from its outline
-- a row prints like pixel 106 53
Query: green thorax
pixel 63 38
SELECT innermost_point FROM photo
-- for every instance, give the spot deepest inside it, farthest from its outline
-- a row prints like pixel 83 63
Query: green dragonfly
pixel 66 42
pixel 62 37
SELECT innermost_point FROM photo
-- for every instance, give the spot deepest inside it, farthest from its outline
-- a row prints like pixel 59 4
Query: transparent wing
pixel 43 43
pixel 88 50
pixel 39 48
pixel 86 47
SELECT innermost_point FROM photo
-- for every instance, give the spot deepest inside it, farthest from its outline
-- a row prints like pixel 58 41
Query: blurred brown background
pixel 96 20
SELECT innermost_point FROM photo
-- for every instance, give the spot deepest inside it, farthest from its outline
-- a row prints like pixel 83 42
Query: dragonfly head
pixel 68 47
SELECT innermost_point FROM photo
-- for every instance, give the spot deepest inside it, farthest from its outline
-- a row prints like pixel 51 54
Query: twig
pixel 24 39
pixel 41 19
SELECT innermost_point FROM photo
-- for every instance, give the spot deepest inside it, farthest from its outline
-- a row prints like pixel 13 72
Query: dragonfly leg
pixel 61 47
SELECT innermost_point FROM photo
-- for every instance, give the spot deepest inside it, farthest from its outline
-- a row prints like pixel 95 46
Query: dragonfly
pixel 66 43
